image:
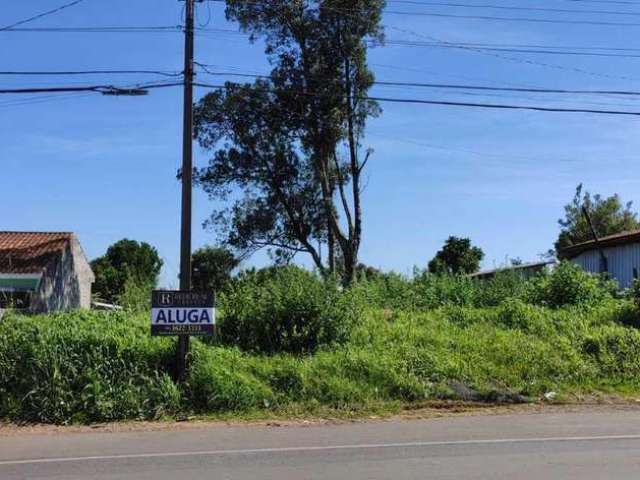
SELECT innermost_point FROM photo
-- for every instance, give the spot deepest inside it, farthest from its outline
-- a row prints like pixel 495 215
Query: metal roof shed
pixel 622 252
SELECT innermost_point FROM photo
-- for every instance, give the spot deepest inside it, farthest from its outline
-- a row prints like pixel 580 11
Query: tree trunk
pixel 331 245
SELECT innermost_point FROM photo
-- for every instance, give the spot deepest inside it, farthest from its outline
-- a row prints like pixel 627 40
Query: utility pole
pixel 187 180
pixel 604 262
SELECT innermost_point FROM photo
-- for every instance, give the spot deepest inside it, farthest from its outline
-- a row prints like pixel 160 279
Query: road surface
pixel 585 446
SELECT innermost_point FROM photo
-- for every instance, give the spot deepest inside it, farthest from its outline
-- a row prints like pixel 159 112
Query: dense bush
pixel 294 342
pixel 635 289
pixel 568 284
pixel 285 310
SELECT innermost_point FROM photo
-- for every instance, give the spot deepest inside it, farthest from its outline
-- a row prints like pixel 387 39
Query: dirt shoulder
pixel 424 411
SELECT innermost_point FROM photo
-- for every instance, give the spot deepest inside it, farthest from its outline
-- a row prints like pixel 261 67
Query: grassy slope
pixel 93 367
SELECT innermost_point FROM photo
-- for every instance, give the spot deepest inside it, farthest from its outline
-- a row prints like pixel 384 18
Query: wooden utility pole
pixel 187 179
pixel 604 262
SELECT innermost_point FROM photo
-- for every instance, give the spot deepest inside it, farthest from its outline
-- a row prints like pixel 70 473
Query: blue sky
pixel 104 167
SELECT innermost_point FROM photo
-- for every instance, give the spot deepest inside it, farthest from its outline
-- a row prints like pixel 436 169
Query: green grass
pixel 294 344
pixel 88 367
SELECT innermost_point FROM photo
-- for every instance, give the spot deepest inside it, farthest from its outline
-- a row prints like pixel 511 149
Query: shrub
pixel 503 286
pixel 635 289
pixel 285 310
pixel 136 296
pixel 514 313
pixel 615 351
pixel 568 284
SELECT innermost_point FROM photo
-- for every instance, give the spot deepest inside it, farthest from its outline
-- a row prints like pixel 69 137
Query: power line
pixel 608 2
pixel 485 6
pixel 45 98
pixel 492 47
pixel 458 86
pixel 470 104
pixel 92 72
pixel 513 8
pixel 104 89
pixel 507 49
pixel 489 52
pixel 517 19
pixel 512 59
pixel 44 14
pixel 104 29
pixel 486 17
pixel 462 90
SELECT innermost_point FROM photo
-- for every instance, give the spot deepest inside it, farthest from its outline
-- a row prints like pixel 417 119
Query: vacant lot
pixel 290 342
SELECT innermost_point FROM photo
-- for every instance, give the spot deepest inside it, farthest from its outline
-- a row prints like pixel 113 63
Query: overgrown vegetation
pixel 291 341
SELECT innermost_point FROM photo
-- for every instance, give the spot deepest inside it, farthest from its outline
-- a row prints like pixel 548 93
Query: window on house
pixel 17 300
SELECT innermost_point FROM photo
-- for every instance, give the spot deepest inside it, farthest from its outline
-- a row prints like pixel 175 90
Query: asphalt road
pixel 586 446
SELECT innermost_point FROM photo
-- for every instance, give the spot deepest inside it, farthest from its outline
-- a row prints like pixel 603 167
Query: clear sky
pixel 105 167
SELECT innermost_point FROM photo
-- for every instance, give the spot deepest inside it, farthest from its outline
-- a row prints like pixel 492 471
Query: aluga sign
pixel 182 313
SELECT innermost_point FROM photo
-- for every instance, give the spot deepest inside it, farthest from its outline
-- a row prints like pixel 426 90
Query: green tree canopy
pixel 212 267
pixel 457 257
pixel 125 261
pixel 291 143
pixel 608 215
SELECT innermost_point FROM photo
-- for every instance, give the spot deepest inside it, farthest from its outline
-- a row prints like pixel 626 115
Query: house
pixel 43 272
pixel 621 251
pixel 525 270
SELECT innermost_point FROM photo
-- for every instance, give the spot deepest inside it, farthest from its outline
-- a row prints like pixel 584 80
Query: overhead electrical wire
pixel 114 90
pixel 104 29
pixel 482 51
pixel 459 86
pixel 46 98
pixel 513 59
pixel 489 47
pixel 104 89
pixel 470 104
pixel 517 19
pixel 490 17
pixel 540 51
pixel 91 72
pixel 513 8
pixel 476 90
pixel 492 6
pixel 608 2
pixel 41 15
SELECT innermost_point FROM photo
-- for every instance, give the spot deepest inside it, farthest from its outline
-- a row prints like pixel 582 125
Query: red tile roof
pixel 623 238
pixel 30 252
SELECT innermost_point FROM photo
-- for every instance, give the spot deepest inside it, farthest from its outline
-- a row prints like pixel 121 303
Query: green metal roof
pixel 18 283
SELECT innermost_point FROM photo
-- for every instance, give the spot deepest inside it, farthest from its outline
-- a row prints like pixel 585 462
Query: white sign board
pixel 182 313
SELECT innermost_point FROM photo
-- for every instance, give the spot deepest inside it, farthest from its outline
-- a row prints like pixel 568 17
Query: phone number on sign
pixel 182 329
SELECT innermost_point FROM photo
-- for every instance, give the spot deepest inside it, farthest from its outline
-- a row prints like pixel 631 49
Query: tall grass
pixel 83 367
pixel 292 340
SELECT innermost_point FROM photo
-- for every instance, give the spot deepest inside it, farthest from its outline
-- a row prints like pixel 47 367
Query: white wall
pixel 621 259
